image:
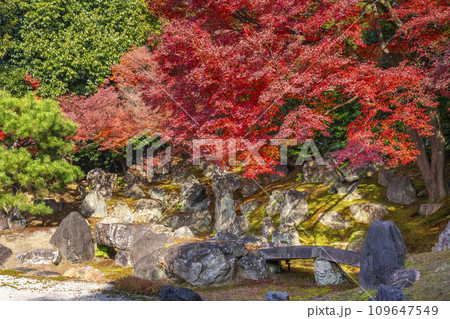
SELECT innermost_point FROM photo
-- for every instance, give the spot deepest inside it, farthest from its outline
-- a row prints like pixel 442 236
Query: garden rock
pixel 160 194
pixel 295 208
pixel 253 267
pixel 135 191
pixel 202 263
pixel 328 273
pixel 147 241
pixel 117 235
pixel 333 220
pixel 352 197
pixel 208 169
pixel 233 247
pixel 368 213
pixel 225 212
pixel 94 205
pixel 223 235
pixel 148 210
pixel 401 190
pixel 199 221
pixel 253 240
pixel 286 235
pixel 276 202
pixel 403 278
pixel 276 296
pixel 240 226
pixel 444 239
pixel 356 241
pixel 16 219
pixel 182 175
pixel 382 254
pixel 226 183
pixel 193 197
pixel 174 221
pixel 268 227
pixel 387 293
pixel 151 266
pixel 5 253
pixel 283 169
pixel 249 189
pixel 249 207
pixel 123 258
pixel 40 257
pixel 73 238
pixel 429 209
pixel 121 214
pixel 343 188
pixel 183 232
pixel 348 175
pixel 168 293
pixel 86 273
pixel 98 179
pixel 385 176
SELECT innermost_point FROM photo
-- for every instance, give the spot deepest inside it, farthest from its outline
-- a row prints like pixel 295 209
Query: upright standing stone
pixel 94 205
pixel 444 240
pixel 401 190
pixel 74 240
pixel 328 273
pixel 98 179
pixel 382 254
pixel 295 208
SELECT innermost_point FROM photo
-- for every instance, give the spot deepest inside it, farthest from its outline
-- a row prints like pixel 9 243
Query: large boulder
pixel 401 190
pixel 121 214
pixel 249 207
pixel 276 202
pixel 382 254
pixel 240 226
pixel 333 220
pixel 73 238
pixel 98 179
pixel 201 263
pixel 286 235
pixel 225 211
pixel 387 293
pixel 253 267
pixel 385 176
pixel 368 213
pixel 276 296
pixel 295 208
pixel 117 235
pixel 94 205
pixel 169 293
pixel 5 253
pixel 16 219
pixel 268 227
pixel 148 210
pixel 315 173
pixel 135 191
pixel 193 197
pixel 223 235
pixel 444 240
pixel 328 273
pixel 40 257
pixel 429 209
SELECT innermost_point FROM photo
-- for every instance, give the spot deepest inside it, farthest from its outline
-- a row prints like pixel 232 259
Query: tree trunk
pixel 432 170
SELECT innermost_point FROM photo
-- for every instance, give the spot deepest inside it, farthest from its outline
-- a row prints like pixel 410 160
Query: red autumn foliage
pixel 225 69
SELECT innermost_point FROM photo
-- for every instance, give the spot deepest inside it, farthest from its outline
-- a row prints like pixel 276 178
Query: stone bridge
pixel 311 252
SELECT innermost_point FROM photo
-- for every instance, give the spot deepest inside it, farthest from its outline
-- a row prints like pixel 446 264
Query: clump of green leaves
pixel 34 147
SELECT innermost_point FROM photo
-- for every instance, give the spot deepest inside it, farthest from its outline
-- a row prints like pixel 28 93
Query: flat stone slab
pixel 311 252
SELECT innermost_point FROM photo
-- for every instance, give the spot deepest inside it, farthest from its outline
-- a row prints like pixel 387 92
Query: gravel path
pixel 12 288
